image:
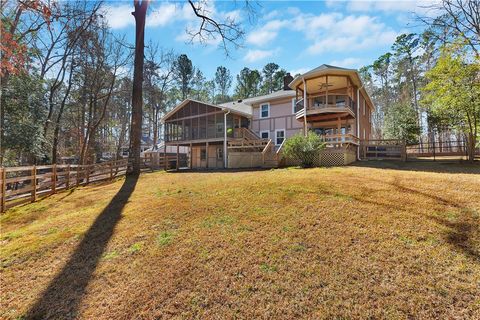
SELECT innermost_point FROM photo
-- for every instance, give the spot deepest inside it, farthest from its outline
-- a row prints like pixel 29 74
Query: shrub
pixel 303 148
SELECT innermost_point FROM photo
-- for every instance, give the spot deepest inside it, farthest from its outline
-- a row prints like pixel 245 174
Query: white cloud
pixel 261 37
pixel 119 16
pixel 162 15
pixel 299 71
pixel 256 55
pixel 266 33
pixel 348 63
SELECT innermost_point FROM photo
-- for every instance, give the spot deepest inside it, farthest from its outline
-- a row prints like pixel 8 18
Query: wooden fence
pixel 19 185
pixel 387 149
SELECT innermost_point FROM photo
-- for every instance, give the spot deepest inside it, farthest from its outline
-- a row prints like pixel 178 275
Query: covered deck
pixel 206 130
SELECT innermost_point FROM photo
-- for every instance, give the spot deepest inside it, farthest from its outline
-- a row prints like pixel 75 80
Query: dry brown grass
pixel 344 243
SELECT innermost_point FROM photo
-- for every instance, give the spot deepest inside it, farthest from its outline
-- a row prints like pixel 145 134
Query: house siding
pixel 281 117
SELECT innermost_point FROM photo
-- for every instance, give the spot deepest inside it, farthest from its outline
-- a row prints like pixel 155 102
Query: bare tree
pixel 229 31
pixel 457 18
pixel 137 97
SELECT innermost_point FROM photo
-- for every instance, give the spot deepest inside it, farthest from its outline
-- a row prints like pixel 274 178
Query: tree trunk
pixel 136 124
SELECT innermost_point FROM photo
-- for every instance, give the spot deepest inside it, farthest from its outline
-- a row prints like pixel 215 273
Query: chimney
pixel 286 80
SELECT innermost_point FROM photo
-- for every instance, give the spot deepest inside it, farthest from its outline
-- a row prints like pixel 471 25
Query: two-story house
pixel 328 100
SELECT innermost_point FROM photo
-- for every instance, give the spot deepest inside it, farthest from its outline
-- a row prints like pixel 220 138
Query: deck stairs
pixel 271 155
pixel 246 140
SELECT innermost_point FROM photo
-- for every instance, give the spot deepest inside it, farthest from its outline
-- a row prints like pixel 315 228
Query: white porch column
pixel 305 105
pixel 225 149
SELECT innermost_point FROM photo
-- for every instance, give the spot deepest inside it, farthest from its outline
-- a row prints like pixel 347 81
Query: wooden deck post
pixel 339 129
pixel 206 153
pixel 34 184
pixel 191 156
pixel 178 157
pixel 165 160
pixel 3 189
pixel 54 179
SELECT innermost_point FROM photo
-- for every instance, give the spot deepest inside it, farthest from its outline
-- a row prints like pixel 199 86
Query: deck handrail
pixel 269 144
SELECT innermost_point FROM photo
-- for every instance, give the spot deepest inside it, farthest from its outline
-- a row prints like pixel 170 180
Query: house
pixel 328 100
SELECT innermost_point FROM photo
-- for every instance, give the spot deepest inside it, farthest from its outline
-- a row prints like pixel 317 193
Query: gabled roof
pixel 241 110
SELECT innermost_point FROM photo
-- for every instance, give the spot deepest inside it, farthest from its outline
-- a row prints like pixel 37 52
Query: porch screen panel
pixel 167 138
pixel 202 125
pixel 211 126
pixel 187 127
pixel 194 128
pixel 219 125
pixel 230 125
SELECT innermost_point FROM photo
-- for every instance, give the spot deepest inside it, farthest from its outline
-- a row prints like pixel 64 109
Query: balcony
pixel 324 104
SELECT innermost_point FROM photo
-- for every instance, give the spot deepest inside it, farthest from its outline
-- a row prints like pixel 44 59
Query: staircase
pixel 246 140
pixel 272 155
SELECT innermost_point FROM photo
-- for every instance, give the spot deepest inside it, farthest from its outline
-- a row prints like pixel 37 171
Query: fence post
pixel 77 183
pixel 67 183
pixel 111 170
pixel 34 184
pixel 3 190
pixel 88 174
pixel 54 178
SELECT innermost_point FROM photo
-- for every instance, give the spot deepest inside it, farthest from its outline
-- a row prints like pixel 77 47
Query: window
pixel 363 106
pixel 203 154
pixel 279 136
pixel 364 134
pixel 265 134
pixel 265 110
pixel 219 153
pixel 294 102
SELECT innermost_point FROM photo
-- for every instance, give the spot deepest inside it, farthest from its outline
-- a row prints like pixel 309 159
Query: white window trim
pixel 284 135
pixel 263 104
pixel 267 131
pixel 293 105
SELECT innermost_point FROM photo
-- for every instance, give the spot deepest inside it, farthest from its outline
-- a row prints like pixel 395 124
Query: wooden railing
pixel 244 143
pixel 26 184
pixel 267 149
pixel 347 103
pixel 336 140
pixel 390 149
pixel 19 185
pixel 245 133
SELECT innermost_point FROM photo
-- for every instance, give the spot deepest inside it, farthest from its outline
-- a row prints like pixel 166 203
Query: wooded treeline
pixel 66 82
pixel 426 89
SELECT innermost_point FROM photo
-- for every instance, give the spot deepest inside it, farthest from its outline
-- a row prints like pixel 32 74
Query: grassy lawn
pixel 397 241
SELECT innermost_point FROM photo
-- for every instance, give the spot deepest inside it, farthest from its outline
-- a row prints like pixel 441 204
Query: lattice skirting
pixel 327 158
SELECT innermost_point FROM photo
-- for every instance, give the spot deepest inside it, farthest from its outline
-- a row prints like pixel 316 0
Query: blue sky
pixel 297 35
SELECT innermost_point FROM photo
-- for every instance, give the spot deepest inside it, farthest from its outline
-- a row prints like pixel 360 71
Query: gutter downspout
pixel 225 155
pixel 358 120
pixel 304 107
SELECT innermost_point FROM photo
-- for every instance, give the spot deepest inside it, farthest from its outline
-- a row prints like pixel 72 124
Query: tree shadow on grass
pixel 462 234
pixel 62 298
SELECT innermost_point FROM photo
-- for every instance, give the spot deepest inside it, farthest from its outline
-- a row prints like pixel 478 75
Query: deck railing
pixel 344 103
pixel 336 140
pixel 19 185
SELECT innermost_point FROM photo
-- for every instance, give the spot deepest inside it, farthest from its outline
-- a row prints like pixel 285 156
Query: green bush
pixel 303 148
